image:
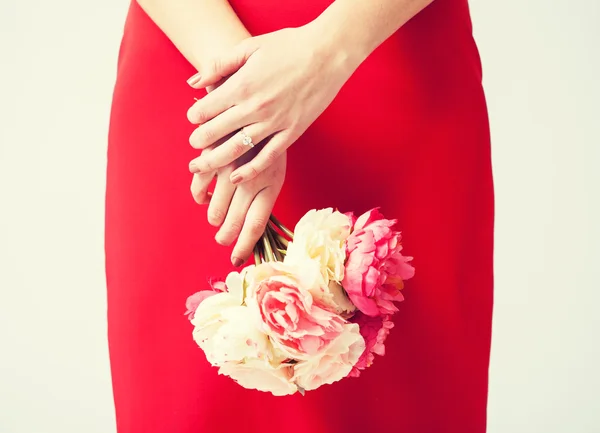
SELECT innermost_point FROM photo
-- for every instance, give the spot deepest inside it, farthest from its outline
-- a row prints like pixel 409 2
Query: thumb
pixel 224 65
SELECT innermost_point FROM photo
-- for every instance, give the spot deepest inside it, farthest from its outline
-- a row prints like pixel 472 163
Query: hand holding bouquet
pixel 314 308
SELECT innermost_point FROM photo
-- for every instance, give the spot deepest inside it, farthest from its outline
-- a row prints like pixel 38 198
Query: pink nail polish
pixel 235 179
pixel 236 262
pixel 194 79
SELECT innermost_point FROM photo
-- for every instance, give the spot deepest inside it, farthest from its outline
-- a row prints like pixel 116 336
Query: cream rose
pixel 236 283
pixel 262 375
pixel 320 236
pixel 226 330
pixel 332 364
pixel 336 297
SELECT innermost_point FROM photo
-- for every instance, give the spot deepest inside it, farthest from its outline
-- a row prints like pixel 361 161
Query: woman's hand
pixel 244 210
pixel 201 181
pixel 241 210
pixel 279 84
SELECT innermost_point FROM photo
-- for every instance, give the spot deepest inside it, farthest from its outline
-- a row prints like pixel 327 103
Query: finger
pixel 223 65
pixel 200 187
pixel 231 149
pixel 210 106
pixel 214 86
pixel 220 126
pixel 255 224
pixel 274 148
pixel 221 198
pixel 234 221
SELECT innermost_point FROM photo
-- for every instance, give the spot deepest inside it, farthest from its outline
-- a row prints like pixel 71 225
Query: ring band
pixel 246 139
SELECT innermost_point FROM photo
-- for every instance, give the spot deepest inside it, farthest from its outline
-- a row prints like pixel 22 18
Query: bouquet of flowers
pixel 314 308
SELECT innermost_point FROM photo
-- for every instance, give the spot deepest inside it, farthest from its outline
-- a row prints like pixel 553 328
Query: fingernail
pixel 236 178
pixel 236 262
pixel 194 168
pixel 194 79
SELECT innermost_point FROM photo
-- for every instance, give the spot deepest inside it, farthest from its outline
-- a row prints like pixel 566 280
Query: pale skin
pixel 273 85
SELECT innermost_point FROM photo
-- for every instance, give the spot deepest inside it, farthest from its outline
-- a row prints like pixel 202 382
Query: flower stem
pixel 281 227
pixel 269 256
pixel 257 259
pixel 282 241
pixel 273 243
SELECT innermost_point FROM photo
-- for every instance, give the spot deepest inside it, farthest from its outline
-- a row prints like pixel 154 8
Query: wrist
pixel 342 42
pixel 225 43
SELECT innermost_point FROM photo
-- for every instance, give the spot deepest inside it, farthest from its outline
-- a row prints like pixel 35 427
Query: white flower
pixel 226 330
pixel 261 375
pixel 332 364
pixel 337 298
pixel 229 334
pixel 320 236
pixel 236 283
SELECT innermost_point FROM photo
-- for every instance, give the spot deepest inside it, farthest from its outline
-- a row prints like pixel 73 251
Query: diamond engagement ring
pixel 246 139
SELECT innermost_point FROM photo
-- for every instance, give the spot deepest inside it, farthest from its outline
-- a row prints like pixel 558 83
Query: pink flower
pixel 196 299
pixel 298 324
pixel 374 330
pixel 375 269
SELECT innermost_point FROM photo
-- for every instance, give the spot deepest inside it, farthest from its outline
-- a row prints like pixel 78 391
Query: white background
pixel 542 72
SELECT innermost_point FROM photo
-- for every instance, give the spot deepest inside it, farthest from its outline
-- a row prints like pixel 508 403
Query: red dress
pixel 408 132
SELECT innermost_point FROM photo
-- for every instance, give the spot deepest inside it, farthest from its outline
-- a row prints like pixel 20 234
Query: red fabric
pixel 409 133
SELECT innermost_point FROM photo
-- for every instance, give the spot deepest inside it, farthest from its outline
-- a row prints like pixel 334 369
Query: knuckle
pixel 207 135
pixel 244 90
pixel 207 165
pixel 216 216
pixel 216 65
pixel 235 227
pixel 257 227
pixel 226 235
pixel 201 116
pixel 264 105
pixel 197 116
pixel 238 149
pixel 272 155
pixel 201 164
pixel 198 138
pixel 252 172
